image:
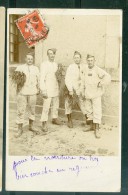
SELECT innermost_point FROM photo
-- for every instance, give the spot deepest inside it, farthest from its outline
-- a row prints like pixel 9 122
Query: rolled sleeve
pixel 105 78
pixel 43 78
pixel 68 80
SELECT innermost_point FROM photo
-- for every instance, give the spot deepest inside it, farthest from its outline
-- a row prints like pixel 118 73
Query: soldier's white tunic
pixel 93 93
pixel 74 77
pixel 48 81
pixel 27 95
pixel 49 85
pixel 73 81
pixel 32 79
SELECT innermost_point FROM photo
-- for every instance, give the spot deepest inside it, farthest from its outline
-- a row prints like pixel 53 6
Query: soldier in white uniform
pixel 73 80
pixel 94 81
pixel 50 89
pixel 28 94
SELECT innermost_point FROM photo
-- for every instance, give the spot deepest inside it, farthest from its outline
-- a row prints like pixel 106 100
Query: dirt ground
pixel 61 140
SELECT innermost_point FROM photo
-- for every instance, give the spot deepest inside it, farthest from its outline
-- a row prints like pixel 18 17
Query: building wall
pixel 23 49
pixel 99 35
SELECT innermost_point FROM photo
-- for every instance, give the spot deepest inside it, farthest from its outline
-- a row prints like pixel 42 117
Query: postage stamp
pixel 32 28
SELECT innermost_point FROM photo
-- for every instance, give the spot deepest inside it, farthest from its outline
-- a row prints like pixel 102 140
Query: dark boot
pixel 56 121
pixel 88 126
pixel 44 126
pixel 31 125
pixel 97 131
pixel 20 130
pixel 89 123
pixel 93 126
pixel 31 128
pixel 69 123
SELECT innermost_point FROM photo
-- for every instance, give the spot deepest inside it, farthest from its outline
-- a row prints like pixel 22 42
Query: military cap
pixel 90 56
pixel 52 49
pixel 77 52
pixel 30 53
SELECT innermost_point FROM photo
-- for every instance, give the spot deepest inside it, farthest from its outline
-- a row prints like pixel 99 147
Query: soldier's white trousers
pixel 69 104
pixel 24 101
pixel 54 103
pixel 94 109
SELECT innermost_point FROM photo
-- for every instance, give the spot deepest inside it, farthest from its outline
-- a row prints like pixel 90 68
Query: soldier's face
pixel 29 60
pixel 51 55
pixel 91 62
pixel 77 59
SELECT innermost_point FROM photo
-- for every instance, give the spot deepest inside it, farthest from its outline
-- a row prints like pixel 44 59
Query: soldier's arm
pixel 68 80
pixel 38 79
pixel 104 77
pixel 82 84
pixel 42 78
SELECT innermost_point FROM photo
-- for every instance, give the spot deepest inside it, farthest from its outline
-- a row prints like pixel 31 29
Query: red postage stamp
pixel 32 28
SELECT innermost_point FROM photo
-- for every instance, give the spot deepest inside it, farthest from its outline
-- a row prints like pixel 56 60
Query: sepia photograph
pixel 63 110
pixel 64 83
pixel 2 43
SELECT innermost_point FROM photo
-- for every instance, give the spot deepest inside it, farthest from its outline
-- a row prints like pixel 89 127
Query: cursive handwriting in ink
pixel 20 162
pixel 59 157
pixel 86 162
pixel 93 158
pixel 60 170
pixel 42 172
pixel 33 158
pixel 46 170
pixel 75 169
pixel 20 176
pixel 15 164
pixel 35 174
pixel 83 158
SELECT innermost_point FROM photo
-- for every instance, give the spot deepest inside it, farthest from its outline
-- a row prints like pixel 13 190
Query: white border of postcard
pixel 106 177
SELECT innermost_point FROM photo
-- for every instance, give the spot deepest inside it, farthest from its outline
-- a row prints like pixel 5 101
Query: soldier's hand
pixel 83 97
pixel 45 96
pixel 71 93
pixel 78 95
pixel 99 85
pixel 38 91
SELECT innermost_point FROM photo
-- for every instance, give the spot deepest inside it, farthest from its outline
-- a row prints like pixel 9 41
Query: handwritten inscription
pixel 59 157
pixel 32 166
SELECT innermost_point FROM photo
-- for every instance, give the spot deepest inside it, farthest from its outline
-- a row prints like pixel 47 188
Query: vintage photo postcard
pixel 64 78
pixel 2 44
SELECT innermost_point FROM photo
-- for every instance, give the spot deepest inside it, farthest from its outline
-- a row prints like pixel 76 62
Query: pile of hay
pixel 18 78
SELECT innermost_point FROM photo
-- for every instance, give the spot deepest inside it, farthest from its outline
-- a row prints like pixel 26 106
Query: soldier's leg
pixel 88 115
pixel 68 110
pixel 45 112
pixel 82 105
pixel 97 115
pixel 21 107
pixel 31 112
pixel 54 110
pixel 89 110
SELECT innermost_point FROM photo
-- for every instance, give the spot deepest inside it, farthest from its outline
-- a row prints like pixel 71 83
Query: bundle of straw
pixel 60 76
pixel 18 78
